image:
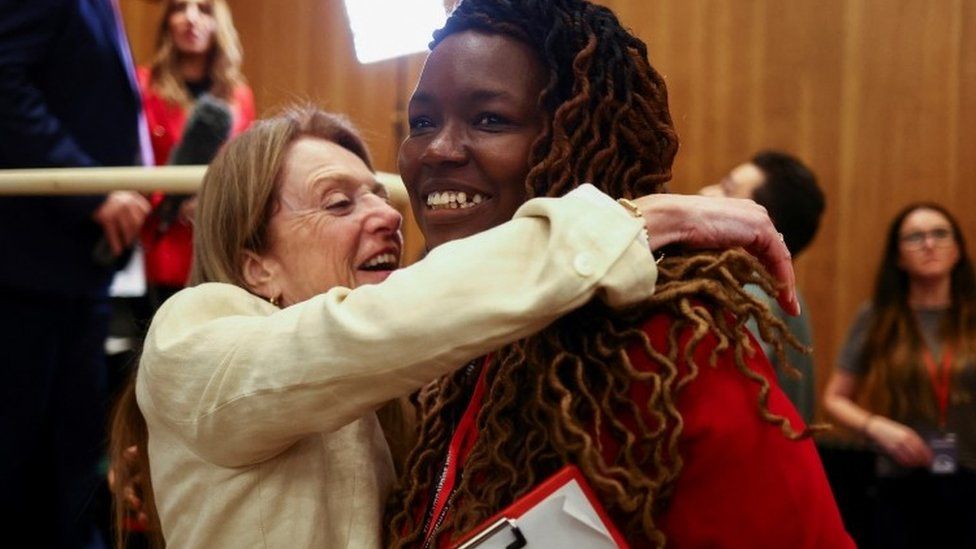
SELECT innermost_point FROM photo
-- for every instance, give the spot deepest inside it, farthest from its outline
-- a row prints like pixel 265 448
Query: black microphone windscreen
pixel 207 127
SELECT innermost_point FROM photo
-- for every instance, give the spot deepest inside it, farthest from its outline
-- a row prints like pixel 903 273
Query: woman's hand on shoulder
pixel 900 442
pixel 718 222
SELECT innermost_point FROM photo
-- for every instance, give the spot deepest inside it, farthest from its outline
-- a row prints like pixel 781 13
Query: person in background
pixel 197 52
pixel 68 98
pixel 681 431
pixel 906 381
pixel 789 191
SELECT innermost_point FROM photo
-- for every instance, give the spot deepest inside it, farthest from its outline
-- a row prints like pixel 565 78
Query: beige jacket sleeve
pixel 240 380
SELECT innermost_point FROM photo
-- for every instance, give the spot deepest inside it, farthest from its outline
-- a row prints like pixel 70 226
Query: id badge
pixel 944 448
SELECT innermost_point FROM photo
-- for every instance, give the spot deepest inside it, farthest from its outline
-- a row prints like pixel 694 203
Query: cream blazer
pixel 262 431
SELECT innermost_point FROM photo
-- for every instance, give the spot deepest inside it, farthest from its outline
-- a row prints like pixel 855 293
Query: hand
pixel 188 209
pixel 898 441
pixel 717 222
pixel 121 217
pixel 133 487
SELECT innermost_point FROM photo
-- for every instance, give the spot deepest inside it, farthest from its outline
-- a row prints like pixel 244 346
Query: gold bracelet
pixel 635 211
pixel 629 205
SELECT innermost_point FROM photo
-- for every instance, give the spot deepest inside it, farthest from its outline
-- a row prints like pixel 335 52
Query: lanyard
pixel 940 376
pixel 461 443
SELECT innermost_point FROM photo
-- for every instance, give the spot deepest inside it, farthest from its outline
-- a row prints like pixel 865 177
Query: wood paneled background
pixel 878 96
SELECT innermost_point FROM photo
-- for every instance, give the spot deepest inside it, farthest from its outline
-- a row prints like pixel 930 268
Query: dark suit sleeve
pixel 31 136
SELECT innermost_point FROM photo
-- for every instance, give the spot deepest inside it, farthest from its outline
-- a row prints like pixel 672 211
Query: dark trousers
pixel 922 510
pixel 52 416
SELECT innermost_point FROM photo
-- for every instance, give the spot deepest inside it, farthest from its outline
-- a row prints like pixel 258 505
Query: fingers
pixel 919 452
pixel 770 248
pixel 130 221
pixel 904 445
pixel 913 454
pixel 135 208
pixel 707 222
pixel 121 217
pixel 188 210
pixel 777 260
pixel 132 501
pixel 114 237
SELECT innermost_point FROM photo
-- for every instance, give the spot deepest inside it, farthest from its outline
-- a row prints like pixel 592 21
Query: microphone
pixel 206 130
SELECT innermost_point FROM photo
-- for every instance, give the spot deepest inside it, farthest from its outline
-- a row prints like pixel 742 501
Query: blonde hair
pixel 236 201
pixel 224 67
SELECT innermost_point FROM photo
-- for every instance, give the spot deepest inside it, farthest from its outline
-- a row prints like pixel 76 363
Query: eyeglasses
pixel 916 240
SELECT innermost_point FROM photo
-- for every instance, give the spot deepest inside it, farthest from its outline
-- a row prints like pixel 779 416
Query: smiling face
pixel 191 26
pixel 473 119
pixel 927 248
pixel 332 226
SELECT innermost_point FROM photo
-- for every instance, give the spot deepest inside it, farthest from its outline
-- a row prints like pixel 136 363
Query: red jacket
pixel 168 254
pixel 743 483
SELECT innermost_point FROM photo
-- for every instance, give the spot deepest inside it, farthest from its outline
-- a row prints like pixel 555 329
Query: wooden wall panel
pixel 877 96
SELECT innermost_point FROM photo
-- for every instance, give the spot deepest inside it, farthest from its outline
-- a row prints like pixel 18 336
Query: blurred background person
pixel 910 355
pixel 68 97
pixel 197 52
pixel 789 191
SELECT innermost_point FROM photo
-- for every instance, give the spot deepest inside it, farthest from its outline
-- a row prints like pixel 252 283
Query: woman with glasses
pixel 906 380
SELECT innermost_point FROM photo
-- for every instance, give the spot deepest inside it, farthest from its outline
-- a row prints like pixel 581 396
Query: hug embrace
pixel 540 297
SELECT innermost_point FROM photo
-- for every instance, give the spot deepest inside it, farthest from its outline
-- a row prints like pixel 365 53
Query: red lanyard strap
pixel 461 443
pixel 941 377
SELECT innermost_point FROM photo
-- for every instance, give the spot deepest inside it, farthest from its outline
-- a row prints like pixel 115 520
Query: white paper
pixel 564 519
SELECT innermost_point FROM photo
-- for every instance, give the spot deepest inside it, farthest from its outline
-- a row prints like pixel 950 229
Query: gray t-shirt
pixel 961 416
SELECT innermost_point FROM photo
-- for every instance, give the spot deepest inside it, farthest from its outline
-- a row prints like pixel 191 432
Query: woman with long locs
pixel 669 409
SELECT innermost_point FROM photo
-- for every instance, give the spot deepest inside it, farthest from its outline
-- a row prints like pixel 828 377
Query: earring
pixel 273 300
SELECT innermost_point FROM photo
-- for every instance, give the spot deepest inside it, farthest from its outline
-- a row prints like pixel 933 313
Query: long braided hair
pixel 552 398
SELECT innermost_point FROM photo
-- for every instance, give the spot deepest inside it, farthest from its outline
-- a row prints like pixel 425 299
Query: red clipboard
pixel 567 484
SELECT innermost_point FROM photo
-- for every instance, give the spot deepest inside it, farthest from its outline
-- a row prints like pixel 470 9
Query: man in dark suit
pixel 67 98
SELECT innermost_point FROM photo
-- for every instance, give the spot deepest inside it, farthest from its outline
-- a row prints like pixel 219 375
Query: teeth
pixel 382 259
pixel 453 200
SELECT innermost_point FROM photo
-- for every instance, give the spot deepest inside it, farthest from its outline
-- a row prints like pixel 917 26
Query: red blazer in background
pixel 168 255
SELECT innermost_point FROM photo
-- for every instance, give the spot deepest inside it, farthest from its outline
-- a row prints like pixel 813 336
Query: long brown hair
pixel 225 57
pixel 897 384
pixel 607 122
pixel 236 201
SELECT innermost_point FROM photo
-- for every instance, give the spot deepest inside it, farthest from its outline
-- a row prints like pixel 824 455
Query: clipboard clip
pixel 498 527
